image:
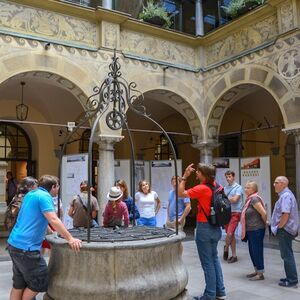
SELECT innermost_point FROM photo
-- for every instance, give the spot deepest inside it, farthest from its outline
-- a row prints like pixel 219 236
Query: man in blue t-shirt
pixel 184 207
pixel 234 192
pixel 30 271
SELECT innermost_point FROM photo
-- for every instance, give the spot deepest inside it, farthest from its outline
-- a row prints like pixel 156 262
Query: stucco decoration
pixel 157 48
pixel 289 63
pixel 244 39
pixel 110 32
pixel 15 18
pixel 180 105
pixel 286 16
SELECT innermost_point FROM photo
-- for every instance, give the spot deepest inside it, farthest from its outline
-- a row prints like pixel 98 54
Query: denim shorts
pixel 29 270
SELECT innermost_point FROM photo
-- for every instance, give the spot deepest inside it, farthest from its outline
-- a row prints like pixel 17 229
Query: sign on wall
pixel 258 169
pixel 224 164
pixel 74 171
pixel 161 174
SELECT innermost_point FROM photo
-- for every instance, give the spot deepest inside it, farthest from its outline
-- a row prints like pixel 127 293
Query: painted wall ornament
pixel 289 63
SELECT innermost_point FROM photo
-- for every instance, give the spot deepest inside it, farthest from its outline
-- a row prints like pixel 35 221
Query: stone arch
pixel 182 102
pixel 236 84
pixel 60 70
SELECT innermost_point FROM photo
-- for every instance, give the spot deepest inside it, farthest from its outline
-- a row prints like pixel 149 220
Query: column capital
pixel 295 132
pixel 209 145
pixel 106 142
pixel 206 149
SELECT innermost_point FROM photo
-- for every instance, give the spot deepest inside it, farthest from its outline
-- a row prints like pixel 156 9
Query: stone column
pixel 107 4
pixel 105 168
pixel 206 149
pixel 199 17
pixel 296 133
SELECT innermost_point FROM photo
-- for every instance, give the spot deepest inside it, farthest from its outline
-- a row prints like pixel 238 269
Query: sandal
pixel 257 277
pixel 251 275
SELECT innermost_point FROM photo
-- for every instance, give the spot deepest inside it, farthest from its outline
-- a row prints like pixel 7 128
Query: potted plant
pixel 238 7
pixel 155 13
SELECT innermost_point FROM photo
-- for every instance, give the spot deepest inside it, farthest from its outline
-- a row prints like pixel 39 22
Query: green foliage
pixel 236 6
pixel 152 10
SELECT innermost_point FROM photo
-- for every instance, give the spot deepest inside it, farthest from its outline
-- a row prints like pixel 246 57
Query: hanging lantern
pixel 22 109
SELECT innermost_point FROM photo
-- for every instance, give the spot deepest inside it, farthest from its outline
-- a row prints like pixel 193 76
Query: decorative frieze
pixel 158 48
pixel 39 23
pixel 247 38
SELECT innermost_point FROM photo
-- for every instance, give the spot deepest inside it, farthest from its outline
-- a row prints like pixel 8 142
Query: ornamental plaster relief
pixel 41 23
pixel 286 16
pixel 245 39
pixel 111 35
pixel 157 48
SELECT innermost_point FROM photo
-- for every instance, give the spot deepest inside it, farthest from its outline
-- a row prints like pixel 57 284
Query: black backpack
pixel 220 207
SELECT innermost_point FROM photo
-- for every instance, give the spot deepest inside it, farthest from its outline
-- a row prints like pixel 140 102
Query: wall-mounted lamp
pixel 22 109
pixel 47 46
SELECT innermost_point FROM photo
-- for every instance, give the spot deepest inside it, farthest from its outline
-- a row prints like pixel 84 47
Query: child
pixel 115 210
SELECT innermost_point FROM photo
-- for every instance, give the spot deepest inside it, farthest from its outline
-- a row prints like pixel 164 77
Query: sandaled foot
pixel 232 259
pixel 251 275
pixel 257 277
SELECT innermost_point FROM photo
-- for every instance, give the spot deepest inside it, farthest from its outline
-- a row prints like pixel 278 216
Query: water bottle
pixel 213 220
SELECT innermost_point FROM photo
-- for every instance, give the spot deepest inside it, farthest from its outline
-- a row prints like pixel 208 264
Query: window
pixel 163 151
pixel 14 143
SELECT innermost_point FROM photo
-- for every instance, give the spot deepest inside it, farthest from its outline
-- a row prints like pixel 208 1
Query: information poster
pixel 258 170
pixel 161 173
pixel 123 171
pixel 74 171
pixel 224 164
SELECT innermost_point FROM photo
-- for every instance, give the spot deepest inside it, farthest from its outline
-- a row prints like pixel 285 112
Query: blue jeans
pixel 147 221
pixel 286 251
pixel 207 238
pixel 256 248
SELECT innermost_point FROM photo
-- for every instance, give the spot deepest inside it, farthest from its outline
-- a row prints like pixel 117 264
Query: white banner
pixel 161 174
pixel 74 171
pixel 258 170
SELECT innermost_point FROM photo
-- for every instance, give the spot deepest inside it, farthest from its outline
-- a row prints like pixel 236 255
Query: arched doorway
pixel 251 126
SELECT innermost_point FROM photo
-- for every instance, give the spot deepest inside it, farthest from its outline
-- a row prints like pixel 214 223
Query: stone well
pixel 116 270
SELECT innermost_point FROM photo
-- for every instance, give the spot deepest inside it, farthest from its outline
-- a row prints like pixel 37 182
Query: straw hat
pixel 114 194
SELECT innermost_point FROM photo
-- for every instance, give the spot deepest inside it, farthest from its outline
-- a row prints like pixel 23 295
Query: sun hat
pixel 114 194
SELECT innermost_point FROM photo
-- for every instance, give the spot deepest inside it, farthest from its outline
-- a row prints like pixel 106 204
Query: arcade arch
pixel 53 101
pixel 176 115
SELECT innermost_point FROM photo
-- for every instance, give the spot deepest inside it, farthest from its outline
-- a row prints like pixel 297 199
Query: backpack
pixel 220 207
pixel 12 211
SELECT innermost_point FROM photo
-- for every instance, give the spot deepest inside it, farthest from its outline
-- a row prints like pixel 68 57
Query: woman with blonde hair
pixel 148 204
pixel 253 220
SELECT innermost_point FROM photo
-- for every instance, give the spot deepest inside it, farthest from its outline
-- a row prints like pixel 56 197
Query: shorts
pixel 29 270
pixel 233 223
pixel 147 221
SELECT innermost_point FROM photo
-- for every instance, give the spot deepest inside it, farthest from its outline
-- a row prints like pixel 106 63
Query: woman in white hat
pixel 148 204
pixel 115 212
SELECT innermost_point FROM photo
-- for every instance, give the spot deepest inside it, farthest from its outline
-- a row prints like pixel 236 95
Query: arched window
pixel 16 150
pixel 14 143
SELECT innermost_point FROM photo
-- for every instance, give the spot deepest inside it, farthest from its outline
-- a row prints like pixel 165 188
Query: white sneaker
pixel 221 297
